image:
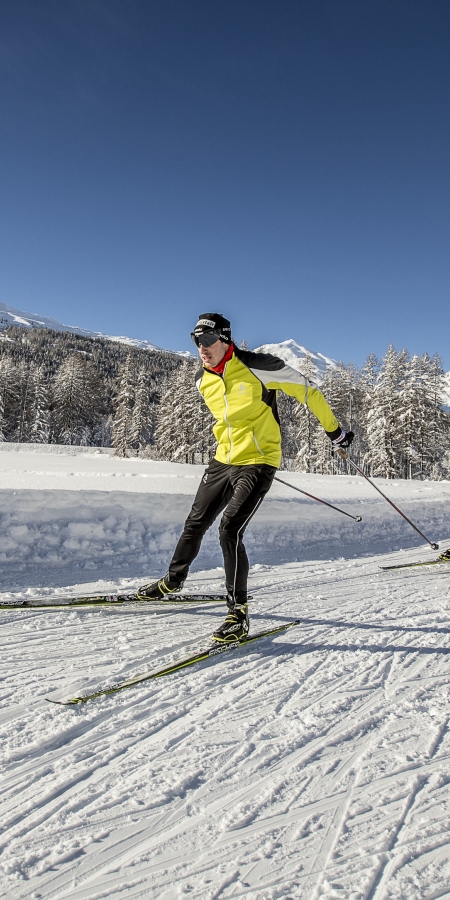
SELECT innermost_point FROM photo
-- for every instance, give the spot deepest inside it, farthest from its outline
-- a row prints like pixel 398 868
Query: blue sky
pixel 284 163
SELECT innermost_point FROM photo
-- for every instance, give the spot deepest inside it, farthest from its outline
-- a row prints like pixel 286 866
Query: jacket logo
pixel 242 389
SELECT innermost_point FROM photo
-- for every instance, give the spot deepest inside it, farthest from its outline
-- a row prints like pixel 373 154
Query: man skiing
pixel 240 389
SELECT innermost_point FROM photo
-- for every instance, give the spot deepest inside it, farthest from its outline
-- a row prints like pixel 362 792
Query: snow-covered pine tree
pixel 142 416
pixel 433 422
pixel 439 422
pixel 306 425
pixel 123 415
pixel 25 377
pixel 76 399
pixel 368 380
pixel 383 434
pixel 40 423
pixel 184 425
pixel 170 433
pixel 289 430
pixel 9 398
pixel 341 387
pixel 411 403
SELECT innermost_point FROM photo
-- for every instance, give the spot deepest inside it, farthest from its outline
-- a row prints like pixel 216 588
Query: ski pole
pixel 360 472
pixel 312 497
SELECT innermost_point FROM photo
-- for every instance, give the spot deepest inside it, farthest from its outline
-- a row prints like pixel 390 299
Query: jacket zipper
pixel 257 445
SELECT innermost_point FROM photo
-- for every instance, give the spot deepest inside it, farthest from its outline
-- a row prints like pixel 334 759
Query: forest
pixel 57 387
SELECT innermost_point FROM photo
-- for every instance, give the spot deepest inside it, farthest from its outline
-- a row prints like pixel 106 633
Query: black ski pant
pixel 238 490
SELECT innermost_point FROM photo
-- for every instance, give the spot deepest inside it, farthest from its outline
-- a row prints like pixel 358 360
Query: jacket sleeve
pixel 275 374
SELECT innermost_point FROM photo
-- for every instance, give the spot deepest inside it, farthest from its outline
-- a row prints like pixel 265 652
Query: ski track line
pixel 330 844
pixel 411 687
pixel 309 751
pixel 206 704
pixel 94 774
pixel 336 826
pixel 274 823
pixel 308 812
pixel 388 863
pixel 391 860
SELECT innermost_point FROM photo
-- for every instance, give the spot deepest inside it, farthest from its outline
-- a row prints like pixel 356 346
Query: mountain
pixel 294 354
pixel 10 316
pixel 300 358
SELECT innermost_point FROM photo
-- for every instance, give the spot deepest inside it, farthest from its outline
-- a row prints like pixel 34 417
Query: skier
pixel 240 389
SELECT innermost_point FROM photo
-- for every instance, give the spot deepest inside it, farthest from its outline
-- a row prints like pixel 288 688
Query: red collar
pixel 220 368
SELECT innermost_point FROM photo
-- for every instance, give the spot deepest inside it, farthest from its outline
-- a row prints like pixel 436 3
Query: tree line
pixel 395 408
pixel 56 387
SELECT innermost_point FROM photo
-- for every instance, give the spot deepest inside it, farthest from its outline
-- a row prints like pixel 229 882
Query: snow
pixel 310 765
pixel 11 316
pixel 294 355
pixel 289 350
pixel 446 397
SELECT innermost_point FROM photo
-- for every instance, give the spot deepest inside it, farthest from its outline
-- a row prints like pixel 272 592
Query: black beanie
pixel 214 322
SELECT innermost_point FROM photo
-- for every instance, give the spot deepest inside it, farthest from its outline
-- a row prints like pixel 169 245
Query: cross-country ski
pixel 110 600
pixel 201 656
pixel 442 558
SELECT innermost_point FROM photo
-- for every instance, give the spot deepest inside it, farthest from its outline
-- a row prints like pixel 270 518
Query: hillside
pixel 10 316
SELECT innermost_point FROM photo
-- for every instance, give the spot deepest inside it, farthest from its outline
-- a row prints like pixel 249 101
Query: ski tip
pixel 72 702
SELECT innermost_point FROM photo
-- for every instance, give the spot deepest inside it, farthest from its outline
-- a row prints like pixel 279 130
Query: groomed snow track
pixel 311 765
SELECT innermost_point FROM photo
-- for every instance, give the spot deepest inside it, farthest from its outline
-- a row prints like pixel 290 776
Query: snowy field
pixel 311 765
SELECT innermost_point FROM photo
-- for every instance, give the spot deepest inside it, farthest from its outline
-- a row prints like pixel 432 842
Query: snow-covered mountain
pixel 10 316
pixel 300 358
pixel 294 354
pixel 306 361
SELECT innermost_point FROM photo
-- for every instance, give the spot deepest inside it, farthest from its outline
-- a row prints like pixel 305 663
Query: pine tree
pixel 383 417
pixel 25 378
pixel 9 398
pixel 40 411
pixel 123 417
pixel 432 421
pixel 289 429
pixel 76 400
pixel 184 425
pixel 142 416
pixel 306 424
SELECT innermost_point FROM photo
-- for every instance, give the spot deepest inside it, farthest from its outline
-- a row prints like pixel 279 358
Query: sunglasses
pixel 205 338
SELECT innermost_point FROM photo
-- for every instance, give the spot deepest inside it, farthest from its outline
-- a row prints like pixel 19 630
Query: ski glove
pixel 344 440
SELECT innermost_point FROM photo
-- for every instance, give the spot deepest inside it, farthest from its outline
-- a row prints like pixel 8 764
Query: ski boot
pixel 158 590
pixel 236 624
pixel 445 556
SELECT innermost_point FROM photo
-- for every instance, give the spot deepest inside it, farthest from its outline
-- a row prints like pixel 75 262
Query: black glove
pixel 344 440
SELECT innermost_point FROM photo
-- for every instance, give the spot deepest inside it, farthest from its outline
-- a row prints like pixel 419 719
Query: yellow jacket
pixel 243 402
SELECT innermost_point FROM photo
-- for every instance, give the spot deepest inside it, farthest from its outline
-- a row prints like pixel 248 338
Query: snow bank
pixel 64 514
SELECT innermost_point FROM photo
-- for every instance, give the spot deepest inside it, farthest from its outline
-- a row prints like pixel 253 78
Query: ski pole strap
pixel 312 497
pixel 360 472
